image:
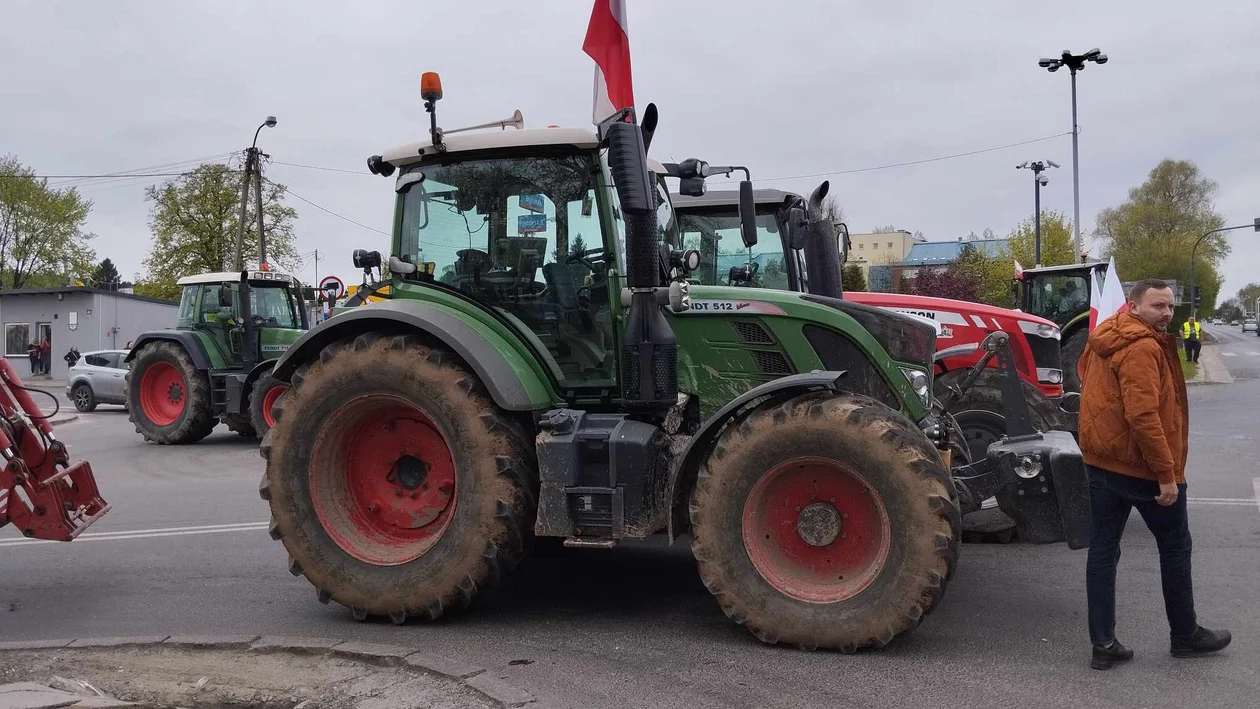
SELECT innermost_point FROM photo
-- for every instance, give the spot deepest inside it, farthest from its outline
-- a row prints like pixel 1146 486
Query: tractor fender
pixel 687 466
pixel 186 339
pixel 402 316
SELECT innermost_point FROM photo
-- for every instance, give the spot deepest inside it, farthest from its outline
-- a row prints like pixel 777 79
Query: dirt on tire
pixel 495 493
pixel 898 464
pixel 195 421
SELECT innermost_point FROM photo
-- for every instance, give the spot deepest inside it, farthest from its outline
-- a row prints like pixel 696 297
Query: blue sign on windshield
pixel 531 202
pixel 531 223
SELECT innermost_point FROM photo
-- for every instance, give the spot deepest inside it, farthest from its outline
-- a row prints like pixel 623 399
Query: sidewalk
pixel 1211 369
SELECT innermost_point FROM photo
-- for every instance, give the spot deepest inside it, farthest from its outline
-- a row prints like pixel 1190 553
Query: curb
pixel 473 677
pixel 67 419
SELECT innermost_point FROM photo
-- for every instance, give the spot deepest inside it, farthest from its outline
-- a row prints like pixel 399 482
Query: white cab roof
pixel 492 139
pixel 229 277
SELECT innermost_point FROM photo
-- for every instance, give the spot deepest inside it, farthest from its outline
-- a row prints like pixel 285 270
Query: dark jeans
pixel 1192 350
pixel 1112 497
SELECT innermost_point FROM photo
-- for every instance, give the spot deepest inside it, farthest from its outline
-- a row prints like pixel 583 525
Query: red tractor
pixel 42 493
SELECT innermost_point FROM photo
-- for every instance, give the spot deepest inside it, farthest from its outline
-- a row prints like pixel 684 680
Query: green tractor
pixel 521 384
pixel 215 365
pixel 1061 294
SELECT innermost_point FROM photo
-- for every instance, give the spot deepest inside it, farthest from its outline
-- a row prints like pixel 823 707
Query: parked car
pixel 99 378
pixel 1249 326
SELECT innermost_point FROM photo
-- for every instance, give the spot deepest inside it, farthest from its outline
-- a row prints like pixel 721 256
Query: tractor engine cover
pixel 602 476
pixel 1047 489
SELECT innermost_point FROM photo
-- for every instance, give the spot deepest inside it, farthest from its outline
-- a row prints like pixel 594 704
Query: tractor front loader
pixel 519 383
pixel 42 493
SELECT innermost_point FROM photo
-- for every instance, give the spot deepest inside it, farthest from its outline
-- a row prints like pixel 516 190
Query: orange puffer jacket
pixel 1134 417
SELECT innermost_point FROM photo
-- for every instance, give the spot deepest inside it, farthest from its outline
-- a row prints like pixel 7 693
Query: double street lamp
pixel 1039 181
pixel 1194 296
pixel 1074 63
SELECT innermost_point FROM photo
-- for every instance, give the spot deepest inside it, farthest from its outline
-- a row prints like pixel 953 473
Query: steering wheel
pixel 582 257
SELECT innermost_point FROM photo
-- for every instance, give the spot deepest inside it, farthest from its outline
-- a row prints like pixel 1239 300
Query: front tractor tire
pixel 168 398
pixel 826 521
pixel 396 485
pixel 262 402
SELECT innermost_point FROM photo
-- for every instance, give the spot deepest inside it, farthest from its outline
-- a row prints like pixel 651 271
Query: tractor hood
pixel 947 312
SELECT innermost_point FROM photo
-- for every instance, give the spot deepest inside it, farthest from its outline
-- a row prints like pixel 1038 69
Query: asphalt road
pixel 1240 351
pixel 185 550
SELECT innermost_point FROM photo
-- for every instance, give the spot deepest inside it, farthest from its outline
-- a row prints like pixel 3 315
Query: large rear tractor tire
pixel 1070 352
pixel 826 521
pixel 396 485
pixel 262 401
pixel 168 398
pixel 982 418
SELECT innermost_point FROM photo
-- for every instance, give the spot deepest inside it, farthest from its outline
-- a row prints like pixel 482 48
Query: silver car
pixel 99 378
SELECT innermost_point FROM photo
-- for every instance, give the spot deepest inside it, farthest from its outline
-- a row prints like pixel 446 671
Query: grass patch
pixel 1189 369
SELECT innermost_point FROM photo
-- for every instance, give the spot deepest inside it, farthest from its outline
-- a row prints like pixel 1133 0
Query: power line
pixel 914 162
pixel 325 209
pixel 321 167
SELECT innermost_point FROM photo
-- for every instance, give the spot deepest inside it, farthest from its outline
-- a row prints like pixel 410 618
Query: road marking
pixel 1229 354
pixel 1234 501
pixel 147 533
pixel 1254 354
pixel 1255 484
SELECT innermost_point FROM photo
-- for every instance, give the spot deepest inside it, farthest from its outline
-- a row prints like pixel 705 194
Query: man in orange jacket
pixel 1134 434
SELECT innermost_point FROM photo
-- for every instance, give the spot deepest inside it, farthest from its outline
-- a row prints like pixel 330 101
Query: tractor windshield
pixel 500 221
pixel 1058 298
pixel 716 234
pixel 272 305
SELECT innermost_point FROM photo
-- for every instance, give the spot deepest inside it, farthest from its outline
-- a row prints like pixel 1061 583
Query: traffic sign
pixel 332 286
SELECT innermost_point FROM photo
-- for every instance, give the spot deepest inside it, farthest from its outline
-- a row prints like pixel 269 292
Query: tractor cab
pixel 1057 293
pixel 263 308
pixel 710 224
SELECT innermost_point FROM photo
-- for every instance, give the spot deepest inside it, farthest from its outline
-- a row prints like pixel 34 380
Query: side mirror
pixel 747 214
pixel 225 296
pixel 797 228
pixel 627 160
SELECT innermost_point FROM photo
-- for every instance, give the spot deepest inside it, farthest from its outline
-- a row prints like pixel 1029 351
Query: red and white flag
pixel 1019 271
pixel 608 43
pixel 1106 299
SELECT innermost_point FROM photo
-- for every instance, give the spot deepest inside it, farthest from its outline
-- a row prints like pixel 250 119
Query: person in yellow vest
pixel 1192 335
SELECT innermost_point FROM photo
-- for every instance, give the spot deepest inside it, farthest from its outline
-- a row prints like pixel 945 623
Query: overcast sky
pixel 787 88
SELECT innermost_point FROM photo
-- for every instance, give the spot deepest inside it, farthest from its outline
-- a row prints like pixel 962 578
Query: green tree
pixel 1229 310
pixel 853 278
pixel 991 275
pixel 1057 247
pixel 1152 233
pixel 105 275
pixel 194 225
pixel 42 237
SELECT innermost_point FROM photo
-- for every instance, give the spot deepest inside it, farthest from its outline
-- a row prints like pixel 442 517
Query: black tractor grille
pixel 1045 351
pixel 753 333
pixel 839 353
pixel 771 362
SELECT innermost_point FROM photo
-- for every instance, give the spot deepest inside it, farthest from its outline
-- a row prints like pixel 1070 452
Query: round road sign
pixel 333 287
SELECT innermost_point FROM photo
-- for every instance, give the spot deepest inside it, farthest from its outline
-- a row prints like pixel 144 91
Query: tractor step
pixel 602 477
pixel 587 543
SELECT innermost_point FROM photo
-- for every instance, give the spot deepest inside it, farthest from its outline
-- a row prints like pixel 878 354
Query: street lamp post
pixel 1074 63
pixel 1194 301
pixel 1039 181
pixel 253 164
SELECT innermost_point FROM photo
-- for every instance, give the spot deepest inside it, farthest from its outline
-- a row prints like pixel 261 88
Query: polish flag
pixel 1106 299
pixel 1019 271
pixel 608 43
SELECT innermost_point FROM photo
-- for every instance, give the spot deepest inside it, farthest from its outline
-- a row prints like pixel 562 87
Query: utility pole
pixel 1039 181
pixel 253 168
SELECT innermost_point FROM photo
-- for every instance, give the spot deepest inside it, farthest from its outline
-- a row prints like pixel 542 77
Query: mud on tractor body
pixel 42 493
pixel 215 365
pixel 522 384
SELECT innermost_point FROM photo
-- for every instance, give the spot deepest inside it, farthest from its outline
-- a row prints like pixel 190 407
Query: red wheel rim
pixel 162 393
pixel 269 401
pixel 383 480
pixel 816 530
